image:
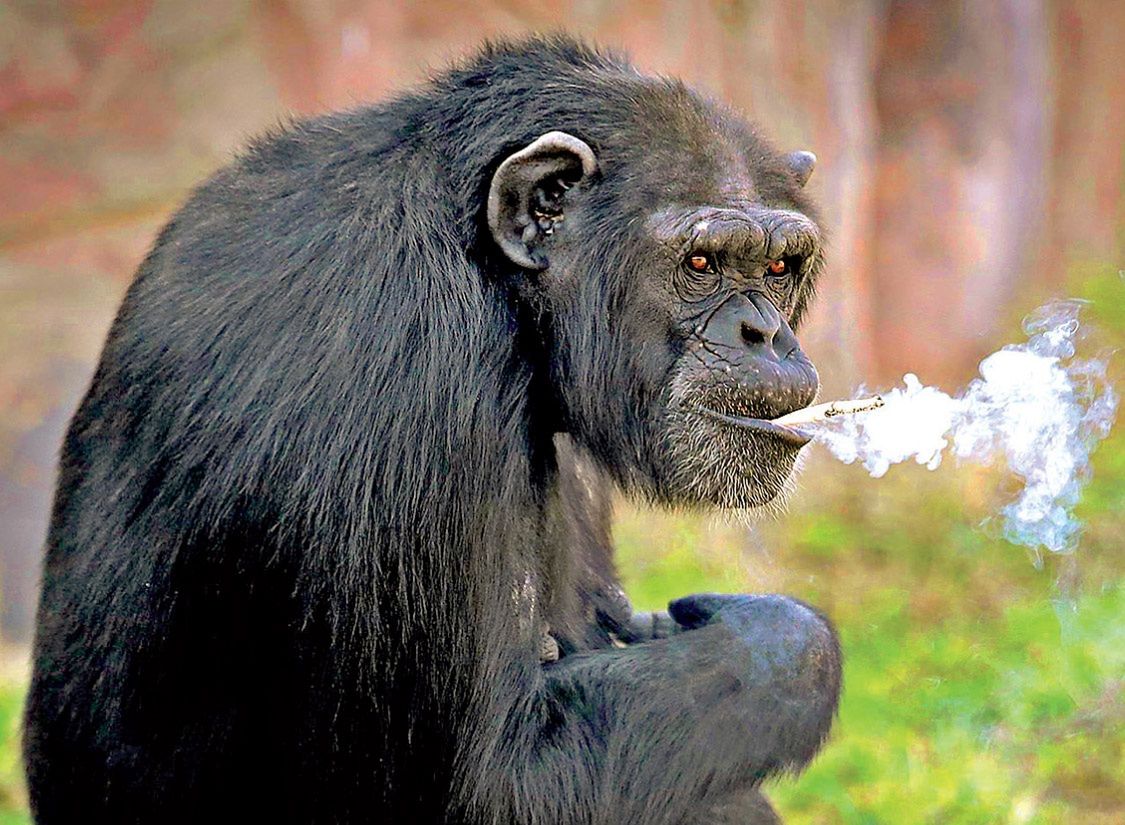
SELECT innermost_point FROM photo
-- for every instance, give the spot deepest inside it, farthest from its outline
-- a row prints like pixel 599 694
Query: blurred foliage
pixel 980 686
pixel 12 798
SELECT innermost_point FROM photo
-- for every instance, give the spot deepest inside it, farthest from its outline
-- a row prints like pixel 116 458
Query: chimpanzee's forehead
pixel 690 150
pixel 718 176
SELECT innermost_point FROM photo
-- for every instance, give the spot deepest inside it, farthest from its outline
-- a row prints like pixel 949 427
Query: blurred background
pixel 971 165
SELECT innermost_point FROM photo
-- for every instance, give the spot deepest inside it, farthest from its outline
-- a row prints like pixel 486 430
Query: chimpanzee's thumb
pixel 697 610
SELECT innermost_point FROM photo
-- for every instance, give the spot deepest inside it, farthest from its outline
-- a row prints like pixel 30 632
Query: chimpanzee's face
pixel 735 273
pixel 669 305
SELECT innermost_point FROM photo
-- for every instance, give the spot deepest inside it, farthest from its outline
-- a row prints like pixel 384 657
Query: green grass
pixel 12 800
pixel 970 719
pixel 979 687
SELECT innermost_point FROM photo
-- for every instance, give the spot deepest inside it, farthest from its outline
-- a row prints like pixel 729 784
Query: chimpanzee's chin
pixel 715 464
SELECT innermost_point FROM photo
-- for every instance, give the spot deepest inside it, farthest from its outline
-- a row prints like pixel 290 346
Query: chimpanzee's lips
pixel 790 435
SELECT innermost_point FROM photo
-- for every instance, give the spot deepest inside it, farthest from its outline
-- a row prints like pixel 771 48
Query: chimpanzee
pixel 330 542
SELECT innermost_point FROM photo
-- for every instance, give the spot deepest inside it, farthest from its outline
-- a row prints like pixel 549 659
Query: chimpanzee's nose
pixel 748 328
pixel 760 321
pixel 748 339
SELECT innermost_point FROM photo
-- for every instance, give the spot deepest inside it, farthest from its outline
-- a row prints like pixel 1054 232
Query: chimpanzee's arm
pixel 658 731
pixel 596 614
pixel 748 806
pixel 691 714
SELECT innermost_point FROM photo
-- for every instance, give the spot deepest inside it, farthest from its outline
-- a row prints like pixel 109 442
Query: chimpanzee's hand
pixel 785 630
pixel 743 688
pixel 782 655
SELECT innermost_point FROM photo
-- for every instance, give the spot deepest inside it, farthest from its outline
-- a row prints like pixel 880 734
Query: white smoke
pixel 1036 406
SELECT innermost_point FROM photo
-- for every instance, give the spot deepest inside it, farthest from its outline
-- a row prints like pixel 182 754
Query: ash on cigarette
pixel 1037 406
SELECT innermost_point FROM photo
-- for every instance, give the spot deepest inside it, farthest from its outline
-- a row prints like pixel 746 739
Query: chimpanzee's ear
pixel 528 193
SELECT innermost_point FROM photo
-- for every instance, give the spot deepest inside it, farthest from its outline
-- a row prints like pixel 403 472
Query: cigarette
pixel 823 412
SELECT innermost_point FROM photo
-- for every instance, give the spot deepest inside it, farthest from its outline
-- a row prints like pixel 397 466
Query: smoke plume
pixel 1036 406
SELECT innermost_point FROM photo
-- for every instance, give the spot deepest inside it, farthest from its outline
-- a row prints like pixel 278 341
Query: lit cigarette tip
pixel 823 412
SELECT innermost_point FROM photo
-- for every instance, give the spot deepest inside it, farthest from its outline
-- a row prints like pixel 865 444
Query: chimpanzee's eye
pixel 699 262
pixel 698 277
pixel 780 280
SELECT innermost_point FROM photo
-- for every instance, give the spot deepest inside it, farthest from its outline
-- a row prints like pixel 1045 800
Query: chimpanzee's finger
pixel 644 627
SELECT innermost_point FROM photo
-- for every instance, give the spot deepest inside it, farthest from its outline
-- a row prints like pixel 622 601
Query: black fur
pixel 340 466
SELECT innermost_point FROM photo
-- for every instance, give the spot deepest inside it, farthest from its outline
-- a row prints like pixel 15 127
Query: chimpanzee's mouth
pixel 792 436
